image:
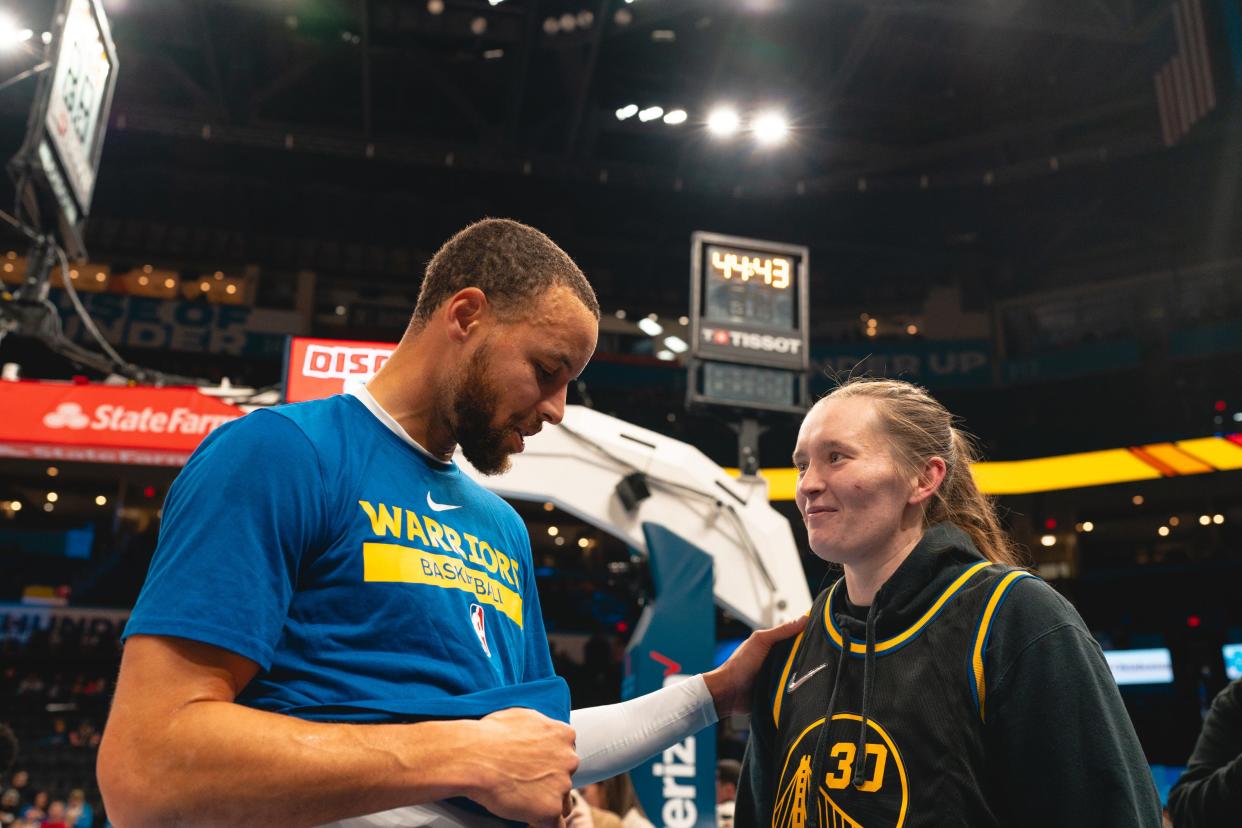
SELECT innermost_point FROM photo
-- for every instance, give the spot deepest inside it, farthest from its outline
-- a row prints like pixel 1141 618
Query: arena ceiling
pixel 1004 144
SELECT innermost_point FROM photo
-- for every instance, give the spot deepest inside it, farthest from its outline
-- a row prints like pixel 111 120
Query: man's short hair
pixel 728 771
pixel 510 262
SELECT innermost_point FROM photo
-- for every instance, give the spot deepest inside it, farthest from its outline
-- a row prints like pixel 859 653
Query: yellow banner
pixel 391 563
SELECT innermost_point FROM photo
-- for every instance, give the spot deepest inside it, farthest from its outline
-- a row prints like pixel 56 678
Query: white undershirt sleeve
pixel 613 738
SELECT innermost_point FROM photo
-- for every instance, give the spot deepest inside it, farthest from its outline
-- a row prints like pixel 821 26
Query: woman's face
pixel 852 494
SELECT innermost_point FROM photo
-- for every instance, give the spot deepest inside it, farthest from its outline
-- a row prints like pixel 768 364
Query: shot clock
pixel 60 155
pixel 748 309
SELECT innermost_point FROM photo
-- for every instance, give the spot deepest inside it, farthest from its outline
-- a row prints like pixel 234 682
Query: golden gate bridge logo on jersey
pixel 476 621
pixel 881 800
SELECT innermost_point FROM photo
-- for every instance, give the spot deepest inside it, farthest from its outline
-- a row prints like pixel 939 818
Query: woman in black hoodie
pixel 972 693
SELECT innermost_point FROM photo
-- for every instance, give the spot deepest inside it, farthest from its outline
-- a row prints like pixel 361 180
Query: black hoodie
pixel 973 696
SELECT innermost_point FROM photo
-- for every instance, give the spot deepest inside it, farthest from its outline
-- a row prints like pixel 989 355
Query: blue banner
pixel 963 363
pixel 675 638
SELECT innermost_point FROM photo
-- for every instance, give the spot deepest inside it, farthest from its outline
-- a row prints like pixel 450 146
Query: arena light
pixel 1218 519
pixel 650 114
pixel 666 356
pixel 650 327
pixel 15 505
pixel 1163 531
pixel 723 122
pixel 627 111
pixel 1088 526
pixel 52 497
pixel 677 116
pixel 1048 540
pixel 10 34
pixel 771 129
pixel 676 344
pixel 101 500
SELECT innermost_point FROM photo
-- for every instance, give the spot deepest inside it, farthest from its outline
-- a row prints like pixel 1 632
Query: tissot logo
pixel 753 341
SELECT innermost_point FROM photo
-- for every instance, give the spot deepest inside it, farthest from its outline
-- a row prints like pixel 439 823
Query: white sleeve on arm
pixel 613 738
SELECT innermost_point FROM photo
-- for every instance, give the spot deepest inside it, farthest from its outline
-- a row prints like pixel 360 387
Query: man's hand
pixel 730 684
pixel 524 762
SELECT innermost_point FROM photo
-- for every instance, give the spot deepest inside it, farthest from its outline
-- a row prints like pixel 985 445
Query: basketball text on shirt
pixel 472 564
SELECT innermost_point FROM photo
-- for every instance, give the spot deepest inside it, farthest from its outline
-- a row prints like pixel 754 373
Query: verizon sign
pixel 103 423
pixel 318 368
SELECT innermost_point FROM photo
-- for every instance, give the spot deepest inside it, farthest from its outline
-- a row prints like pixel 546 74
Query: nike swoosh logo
pixel 795 683
pixel 439 507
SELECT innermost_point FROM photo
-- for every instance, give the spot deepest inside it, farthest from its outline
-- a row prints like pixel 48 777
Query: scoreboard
pixel 60 155
pixel 748 323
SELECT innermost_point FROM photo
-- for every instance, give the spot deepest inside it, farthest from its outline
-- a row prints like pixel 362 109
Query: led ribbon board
pixel 748 322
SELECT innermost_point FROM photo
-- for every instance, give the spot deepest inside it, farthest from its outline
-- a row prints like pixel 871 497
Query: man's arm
pixel 178 750
pixel 614 738
pixel 1210 792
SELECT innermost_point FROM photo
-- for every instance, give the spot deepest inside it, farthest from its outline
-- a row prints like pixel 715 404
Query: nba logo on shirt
pixel 476 621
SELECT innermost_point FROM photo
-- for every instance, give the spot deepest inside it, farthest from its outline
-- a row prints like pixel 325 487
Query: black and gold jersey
pixel 886 722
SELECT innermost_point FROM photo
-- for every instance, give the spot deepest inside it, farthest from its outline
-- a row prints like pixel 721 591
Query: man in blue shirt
pixel 339 622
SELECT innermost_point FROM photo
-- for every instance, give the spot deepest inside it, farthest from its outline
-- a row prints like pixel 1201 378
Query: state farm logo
pixel 118 418
pixel 67 415
pixel 343 362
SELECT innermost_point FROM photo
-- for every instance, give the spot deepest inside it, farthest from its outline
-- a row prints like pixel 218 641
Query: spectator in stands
pixel 21 782
pixel 79 813
pixel 59 734
pixel 583 814
pixel 617 795
pixel 8 748
pixel 36 811
pixel 56 816
pixel 10 802
pixel 85 736
pixel 727 773
pixel 1210 791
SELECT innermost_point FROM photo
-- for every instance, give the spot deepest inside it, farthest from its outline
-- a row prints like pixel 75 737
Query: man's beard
pixel 474 410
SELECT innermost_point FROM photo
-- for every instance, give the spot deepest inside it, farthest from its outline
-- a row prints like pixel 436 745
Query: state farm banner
pixel 318 368
pixel 106 423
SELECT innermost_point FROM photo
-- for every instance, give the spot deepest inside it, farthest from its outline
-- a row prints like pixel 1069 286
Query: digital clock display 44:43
pixel 731 264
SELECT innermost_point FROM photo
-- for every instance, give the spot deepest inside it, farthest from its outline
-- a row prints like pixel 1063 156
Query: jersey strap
pixel 978 686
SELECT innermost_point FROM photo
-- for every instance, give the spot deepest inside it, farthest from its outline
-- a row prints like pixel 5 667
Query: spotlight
pixel 627 111
pixel 52 471
pixel 666 356
pixel 585 19
pixel 494 2
pixel 650 114
pixel 1088 526
pixel 623 17
pixel 100 500
pixel 569 22
pixel 52 497
pixel 677 116
pixel 435 6
pixel 551 26
pixel 16 505
pixel 1218 519
pixel 1048 540
pixel 650 327
pixel 723 121
pixel 553 531
pixel 478 26
pixel 676 344
pixel 633 490
pixel 1204 520
pixel 770 129
pixel 1163 531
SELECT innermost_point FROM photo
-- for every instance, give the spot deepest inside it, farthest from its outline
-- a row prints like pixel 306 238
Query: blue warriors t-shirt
pixel 368 581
